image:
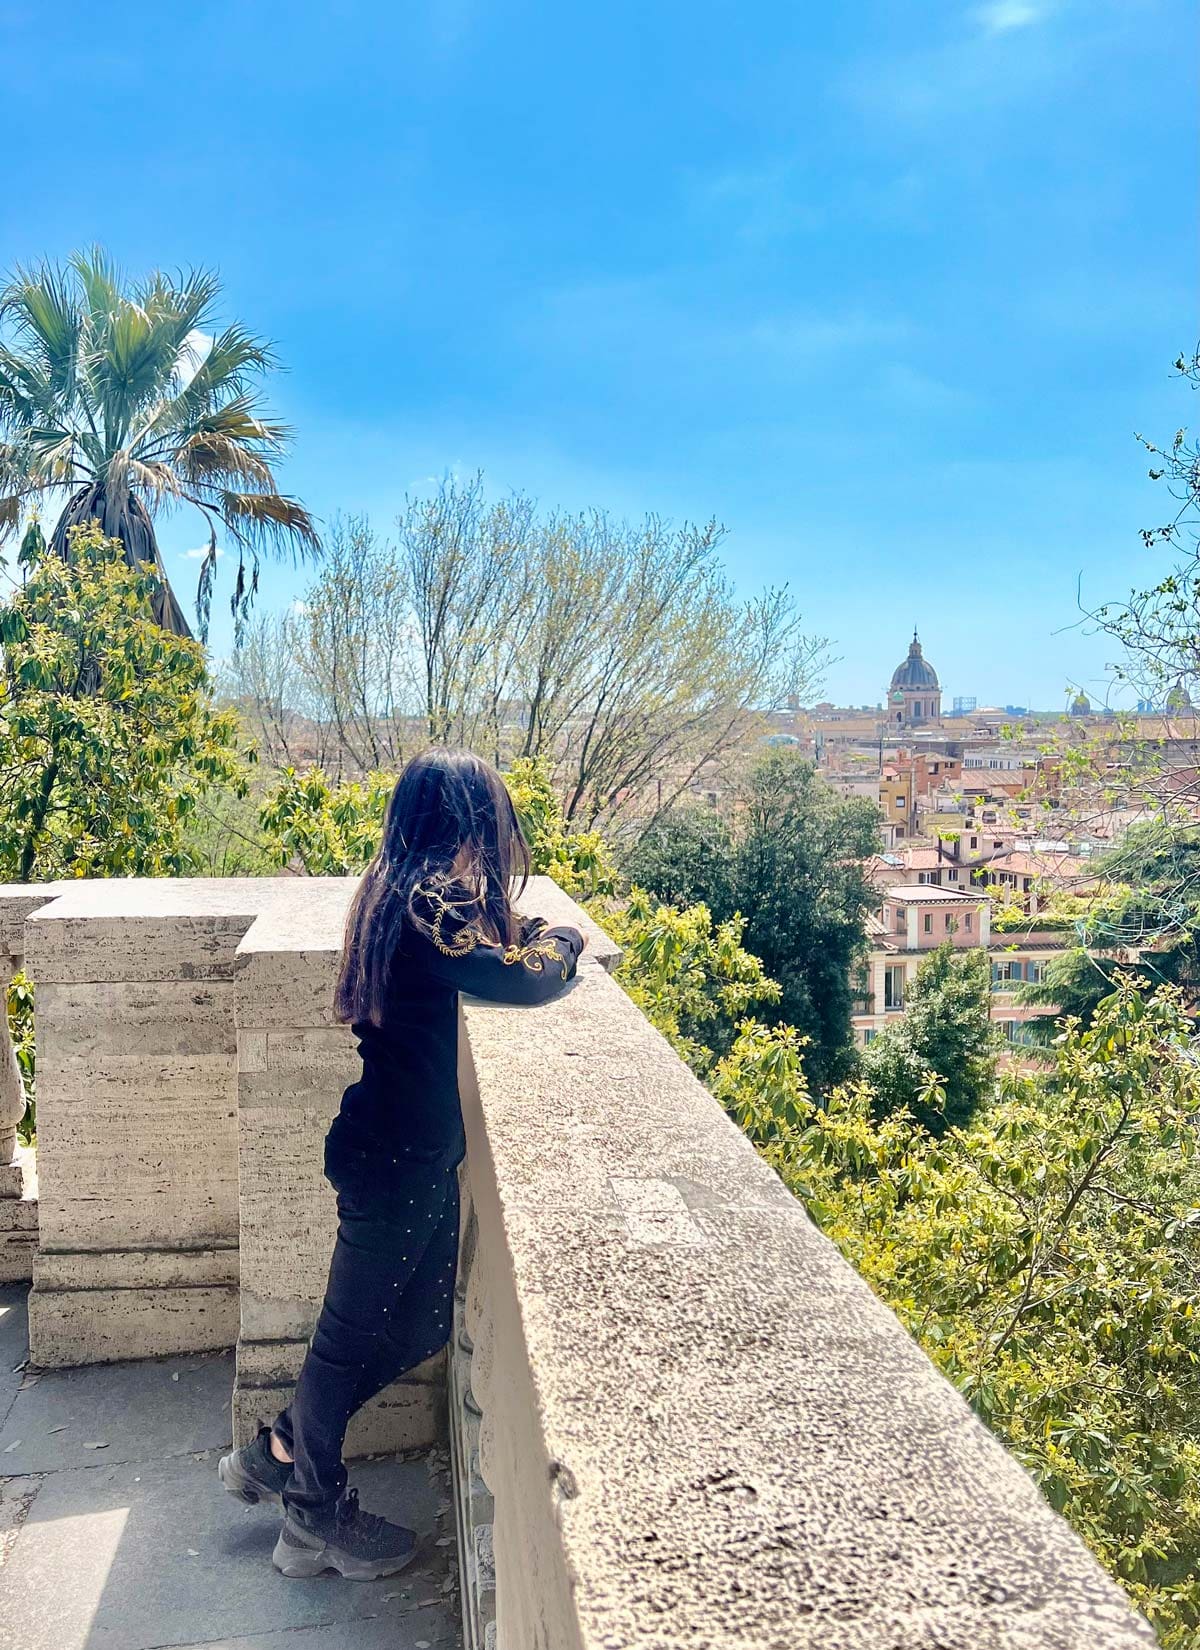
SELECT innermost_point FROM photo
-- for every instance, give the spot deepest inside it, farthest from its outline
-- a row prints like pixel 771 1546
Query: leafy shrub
pixel 108 734
pixel 1047 1257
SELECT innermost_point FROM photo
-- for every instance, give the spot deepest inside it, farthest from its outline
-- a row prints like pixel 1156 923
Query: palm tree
pixel 130 400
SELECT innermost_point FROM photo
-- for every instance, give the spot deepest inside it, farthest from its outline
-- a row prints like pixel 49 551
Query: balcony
pixel 676 1416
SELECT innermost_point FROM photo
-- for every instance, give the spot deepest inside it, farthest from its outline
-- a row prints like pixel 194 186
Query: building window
pixel 928 923
pixel 1018 1031
pixel 974 842
pixel 869 1035
pixel 893 987
pixel 952 873
pixel 967 921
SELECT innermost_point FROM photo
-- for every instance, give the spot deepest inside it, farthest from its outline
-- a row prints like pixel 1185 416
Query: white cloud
pixel 192 356
pixel 199 553
pixel 1001 16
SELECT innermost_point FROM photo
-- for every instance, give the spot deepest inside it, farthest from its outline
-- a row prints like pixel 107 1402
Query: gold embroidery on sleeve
pixel 468 935
pixel 535 955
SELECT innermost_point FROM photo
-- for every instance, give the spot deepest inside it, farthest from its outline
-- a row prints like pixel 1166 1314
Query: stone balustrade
pixel 678 1416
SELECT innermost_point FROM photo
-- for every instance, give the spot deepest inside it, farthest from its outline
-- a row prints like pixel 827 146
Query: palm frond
pixel 159 481
pixel 260 520
pixel 212 458
pixel 25 392
pixel 42 309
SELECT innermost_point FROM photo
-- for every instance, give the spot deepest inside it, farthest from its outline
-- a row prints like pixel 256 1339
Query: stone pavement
pixel 115 1534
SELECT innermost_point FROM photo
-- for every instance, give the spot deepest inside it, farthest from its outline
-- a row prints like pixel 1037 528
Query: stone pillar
pixel 137 1109
pixel 293 1062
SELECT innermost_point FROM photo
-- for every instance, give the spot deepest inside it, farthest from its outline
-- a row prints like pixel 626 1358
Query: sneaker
pixel 252 1473
pixel 357 1544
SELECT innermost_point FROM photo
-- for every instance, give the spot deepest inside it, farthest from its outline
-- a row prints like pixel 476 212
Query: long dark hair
pixel 450 834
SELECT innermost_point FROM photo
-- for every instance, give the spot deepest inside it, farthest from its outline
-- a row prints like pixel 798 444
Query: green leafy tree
pixel 329 829
pixel 799 879
pixel 324 829
pixel 939 1060
pixel 761 1082
pixel 580 861
pixel 1047 1257
pixel 792 864
pixel 684 857
pixel 19 1004
pixel 689 975
pixel 130 398
pixel 108 736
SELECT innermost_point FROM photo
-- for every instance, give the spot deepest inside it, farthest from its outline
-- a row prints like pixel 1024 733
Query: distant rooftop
pixel 928 893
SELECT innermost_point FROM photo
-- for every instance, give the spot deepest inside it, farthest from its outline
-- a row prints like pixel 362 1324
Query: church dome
pixel 916 671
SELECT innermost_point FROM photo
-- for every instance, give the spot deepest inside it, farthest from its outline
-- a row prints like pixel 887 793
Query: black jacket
pixel 404 1111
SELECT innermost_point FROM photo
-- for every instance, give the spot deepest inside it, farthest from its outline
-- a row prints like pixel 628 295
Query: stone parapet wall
pixel 679 1417
pixel 690 1421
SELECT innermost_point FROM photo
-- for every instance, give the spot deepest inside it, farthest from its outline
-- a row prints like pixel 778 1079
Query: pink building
pixel 913 920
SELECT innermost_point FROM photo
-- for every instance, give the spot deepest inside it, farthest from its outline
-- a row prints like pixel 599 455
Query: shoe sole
pixel 304 1563
pixel 247 1489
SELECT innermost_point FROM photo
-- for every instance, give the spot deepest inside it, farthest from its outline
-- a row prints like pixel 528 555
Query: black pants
pixel 388 1307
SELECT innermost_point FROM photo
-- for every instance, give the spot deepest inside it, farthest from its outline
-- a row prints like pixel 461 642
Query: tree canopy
pixel 619 651
pixel 108 737
pixel 129 397
pixel 791 862
pixel 939 1059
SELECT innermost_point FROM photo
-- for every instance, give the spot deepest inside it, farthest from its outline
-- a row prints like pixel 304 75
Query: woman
pixel 432 917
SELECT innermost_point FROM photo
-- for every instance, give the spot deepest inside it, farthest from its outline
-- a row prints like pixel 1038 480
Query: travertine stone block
pixel 18 1217
pixel 19 900
pixel 137 1116
pixel 93 1326
pixel 408 1415
pixel 64 1270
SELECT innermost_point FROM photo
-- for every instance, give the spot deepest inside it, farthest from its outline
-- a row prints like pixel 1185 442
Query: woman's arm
pixel 534 969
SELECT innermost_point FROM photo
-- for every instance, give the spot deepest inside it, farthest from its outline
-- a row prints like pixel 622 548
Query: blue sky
pixel 886 288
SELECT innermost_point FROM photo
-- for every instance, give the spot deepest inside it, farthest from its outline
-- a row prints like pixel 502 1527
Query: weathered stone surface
pixel 412 1410
pixel 18 1238
pixel 702 1427
pixel 137 1125
pixel 138 1268
pixel 138 1411
pixel 87 1326
pixel 18 1217
pixel 19 900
